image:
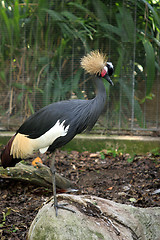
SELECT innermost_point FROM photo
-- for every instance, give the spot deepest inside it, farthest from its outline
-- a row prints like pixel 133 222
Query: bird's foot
pixel 62 206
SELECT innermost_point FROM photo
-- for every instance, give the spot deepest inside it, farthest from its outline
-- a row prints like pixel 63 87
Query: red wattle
pixel 103 73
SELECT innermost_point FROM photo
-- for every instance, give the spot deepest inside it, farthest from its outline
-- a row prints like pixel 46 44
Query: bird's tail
pixel 7 160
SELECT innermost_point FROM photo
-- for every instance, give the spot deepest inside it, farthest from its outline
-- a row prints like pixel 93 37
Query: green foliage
pixel 150 64
pixel 130 159
pixel 102 155
pixel 111 151
pixel 5 214
pixel 116 152
pixel 156 151
pixel 3 223
pixel 41 41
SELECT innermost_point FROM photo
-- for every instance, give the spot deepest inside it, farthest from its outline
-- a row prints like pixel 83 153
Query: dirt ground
pixel 105 175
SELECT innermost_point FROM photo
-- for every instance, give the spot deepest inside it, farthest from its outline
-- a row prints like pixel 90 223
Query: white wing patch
pixel 58 130
pixel 43 150
pixel 23 146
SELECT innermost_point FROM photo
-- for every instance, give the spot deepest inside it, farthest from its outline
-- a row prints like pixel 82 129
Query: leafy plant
pixel 156 151
pixel 111 151
pixel 102 155
pixel 130 159
pixel 5 214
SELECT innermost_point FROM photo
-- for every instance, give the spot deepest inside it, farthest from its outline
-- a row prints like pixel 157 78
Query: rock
pixel 96 219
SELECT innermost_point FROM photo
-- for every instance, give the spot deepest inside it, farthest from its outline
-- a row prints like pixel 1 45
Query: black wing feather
pixel 43 120
pixel 78 114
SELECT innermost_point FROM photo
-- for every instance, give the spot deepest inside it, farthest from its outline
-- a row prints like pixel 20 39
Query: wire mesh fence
pixel 42 43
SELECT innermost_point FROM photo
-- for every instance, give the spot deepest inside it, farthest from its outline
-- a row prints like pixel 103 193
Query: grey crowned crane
pixel 56 124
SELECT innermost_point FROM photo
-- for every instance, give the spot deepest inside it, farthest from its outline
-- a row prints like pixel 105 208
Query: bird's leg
pixel 56 205
pixel 53 171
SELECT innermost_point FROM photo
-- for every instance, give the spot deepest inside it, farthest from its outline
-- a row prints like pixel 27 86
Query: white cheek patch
pixel 106 68
pixel 109 63
pixel 43 142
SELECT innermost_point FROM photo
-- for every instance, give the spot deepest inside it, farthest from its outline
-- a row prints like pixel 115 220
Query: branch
pixel 40 175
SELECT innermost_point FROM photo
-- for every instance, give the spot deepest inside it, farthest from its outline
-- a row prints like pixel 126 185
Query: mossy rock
pixel 95 219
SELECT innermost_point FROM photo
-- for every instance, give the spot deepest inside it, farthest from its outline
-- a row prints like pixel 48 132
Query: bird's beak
pixel 107 77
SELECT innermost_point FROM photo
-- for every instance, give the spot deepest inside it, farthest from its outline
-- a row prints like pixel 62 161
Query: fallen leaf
pixel 132 200
pixel 93 155
pixel 156 191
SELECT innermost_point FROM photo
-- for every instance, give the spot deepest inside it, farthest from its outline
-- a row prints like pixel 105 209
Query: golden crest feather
pixel 94 62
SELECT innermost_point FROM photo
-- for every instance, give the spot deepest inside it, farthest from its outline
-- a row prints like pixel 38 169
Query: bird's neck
pixel 100 90
pixel 97 103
